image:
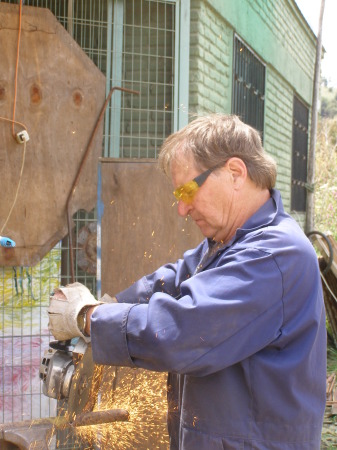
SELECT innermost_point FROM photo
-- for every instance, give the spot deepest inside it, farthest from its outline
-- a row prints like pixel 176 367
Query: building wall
pixel 278 128
pixel 211 44
pixel 279 35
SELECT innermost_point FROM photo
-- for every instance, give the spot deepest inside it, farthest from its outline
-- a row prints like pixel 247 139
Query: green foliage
pixel 328 101
pixel 331 360
pixel 326 176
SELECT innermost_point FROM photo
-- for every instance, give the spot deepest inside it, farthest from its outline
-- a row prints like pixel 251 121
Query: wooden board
pixel 141 229
pixel 60 93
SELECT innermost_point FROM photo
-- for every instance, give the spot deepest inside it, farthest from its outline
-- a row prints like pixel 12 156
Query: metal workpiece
pixel 37 434
pixel 69 206
pixel 101 417
pixel 54 115
pixel 25 436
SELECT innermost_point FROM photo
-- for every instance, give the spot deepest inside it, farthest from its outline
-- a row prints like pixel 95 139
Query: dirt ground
pixel 329 432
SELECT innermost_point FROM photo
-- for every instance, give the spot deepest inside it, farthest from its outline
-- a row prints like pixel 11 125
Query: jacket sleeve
pixel 224 314
pixel 167 279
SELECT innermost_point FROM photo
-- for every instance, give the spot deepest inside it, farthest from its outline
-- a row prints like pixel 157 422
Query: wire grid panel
pixel 147 67
pixel 84 251
pixel 24 337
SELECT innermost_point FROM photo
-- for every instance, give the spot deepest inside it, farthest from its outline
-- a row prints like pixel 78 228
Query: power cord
pixel 21 137
pixel 24 141
pixel 17 136
pixel 16 69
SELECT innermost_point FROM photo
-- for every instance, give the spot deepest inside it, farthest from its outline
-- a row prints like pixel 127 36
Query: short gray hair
pixel 212 140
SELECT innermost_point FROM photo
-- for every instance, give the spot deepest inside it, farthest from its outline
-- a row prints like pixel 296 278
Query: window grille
pixel 248 86
pixel 148 67
pixel 299 156
pixel 133 42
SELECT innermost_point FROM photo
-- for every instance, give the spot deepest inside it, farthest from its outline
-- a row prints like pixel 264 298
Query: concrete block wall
pixel 210 61
pixel 278 128
pixel 281 38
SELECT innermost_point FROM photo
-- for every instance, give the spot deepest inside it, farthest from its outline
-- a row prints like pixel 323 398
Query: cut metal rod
pixel 29 434
pixel 62 422
pixel 99 417
pixel 85 157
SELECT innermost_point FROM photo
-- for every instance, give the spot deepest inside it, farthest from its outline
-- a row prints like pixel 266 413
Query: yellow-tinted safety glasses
pixel 187 191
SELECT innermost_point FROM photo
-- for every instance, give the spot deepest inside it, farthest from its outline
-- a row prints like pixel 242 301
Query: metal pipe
pixel 99 417
pixel 85 157
pixel 29 434
pixel 62 422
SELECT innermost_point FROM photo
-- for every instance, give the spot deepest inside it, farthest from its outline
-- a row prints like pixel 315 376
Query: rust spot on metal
pixel 77 98
pixel 8 253
pixel 2 92
pixel 35 94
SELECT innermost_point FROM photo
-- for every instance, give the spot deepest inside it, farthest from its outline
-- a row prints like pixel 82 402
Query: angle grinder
pixel 67 372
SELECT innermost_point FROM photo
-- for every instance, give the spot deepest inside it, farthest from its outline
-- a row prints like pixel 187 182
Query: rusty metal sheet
pixel 60 93
pixel 141 229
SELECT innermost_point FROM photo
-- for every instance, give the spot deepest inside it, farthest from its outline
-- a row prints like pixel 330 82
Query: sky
pixel 310 10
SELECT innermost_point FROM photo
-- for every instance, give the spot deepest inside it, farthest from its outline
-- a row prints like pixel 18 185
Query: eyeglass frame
pixel 198 181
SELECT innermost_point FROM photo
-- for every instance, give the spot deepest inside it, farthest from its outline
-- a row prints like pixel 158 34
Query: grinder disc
pixel 84 386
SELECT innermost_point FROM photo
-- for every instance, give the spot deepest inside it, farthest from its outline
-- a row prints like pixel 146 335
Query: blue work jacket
pixel 241 330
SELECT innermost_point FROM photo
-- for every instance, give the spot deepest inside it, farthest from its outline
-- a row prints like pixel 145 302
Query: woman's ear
pixel 238 171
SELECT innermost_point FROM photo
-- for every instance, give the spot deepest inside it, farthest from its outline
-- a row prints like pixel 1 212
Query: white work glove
pixel 64 307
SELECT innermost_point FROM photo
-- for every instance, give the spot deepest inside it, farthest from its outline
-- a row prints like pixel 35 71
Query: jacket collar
pixel 262 218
